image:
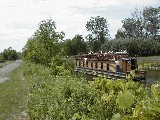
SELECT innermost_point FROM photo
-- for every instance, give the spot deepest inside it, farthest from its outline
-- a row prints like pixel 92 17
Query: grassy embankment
pixel 150 63
pixel 65 96
pixel 151 59
pixel 13 94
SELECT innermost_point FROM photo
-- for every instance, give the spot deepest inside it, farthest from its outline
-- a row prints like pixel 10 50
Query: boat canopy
pixel 126 59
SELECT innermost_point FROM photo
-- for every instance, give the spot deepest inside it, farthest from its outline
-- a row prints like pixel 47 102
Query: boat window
pixel 96 65
pixel 83 64
pixel 86 63
pixel 79 63
pixel 101 65
pixel 107 66
pixel 133 64
pixel 91 65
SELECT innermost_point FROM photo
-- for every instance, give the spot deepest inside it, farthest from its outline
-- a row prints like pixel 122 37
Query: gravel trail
pixel 4 71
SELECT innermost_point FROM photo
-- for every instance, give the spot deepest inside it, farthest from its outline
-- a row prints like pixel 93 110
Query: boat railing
pixel 99 70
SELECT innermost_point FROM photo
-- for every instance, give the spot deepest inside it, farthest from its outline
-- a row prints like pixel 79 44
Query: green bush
pixel 66 97
pixel 1 58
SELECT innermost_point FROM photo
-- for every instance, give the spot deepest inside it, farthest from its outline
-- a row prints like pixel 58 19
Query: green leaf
pixel 125 117
pixel 116 117
pixel 125 100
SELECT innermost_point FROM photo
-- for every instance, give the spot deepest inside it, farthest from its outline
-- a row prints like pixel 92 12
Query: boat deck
pixel 102 73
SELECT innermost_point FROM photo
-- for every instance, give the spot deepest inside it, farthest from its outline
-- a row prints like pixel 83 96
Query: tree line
pixel 9 54
pixel 139 35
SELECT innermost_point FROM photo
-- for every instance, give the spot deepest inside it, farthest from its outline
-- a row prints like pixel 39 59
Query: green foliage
pixel 1 58
pixel 142 24
pixel 99 32
pixel 9 54
pixel 136 46
pixel 98 27
pixel 116 117
pixel 139 34
pixel 64 96
pixel 150 63
pixel 75 46
pixel 151 19
pixel 125 100
pixel 44 44
pixel 60 92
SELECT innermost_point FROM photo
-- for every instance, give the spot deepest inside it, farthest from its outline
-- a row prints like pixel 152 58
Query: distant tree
pixel 120 34
pixel 69 48
pixel 132 28
pixel 129 25
pixel 9 54
pixel 152 21
pixel 117 45
pixel 80 44
pixel 75 46
pixel 136 46
pixel 19 55
pixel 142 24
pixel 99 32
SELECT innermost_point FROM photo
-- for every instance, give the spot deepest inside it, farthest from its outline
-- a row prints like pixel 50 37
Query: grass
pixel 155 59
pixel 13 92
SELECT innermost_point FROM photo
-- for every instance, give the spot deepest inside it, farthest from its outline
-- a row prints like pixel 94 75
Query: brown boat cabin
pixel 118 63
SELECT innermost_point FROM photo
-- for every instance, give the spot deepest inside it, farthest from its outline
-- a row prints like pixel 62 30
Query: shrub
pixel 65 96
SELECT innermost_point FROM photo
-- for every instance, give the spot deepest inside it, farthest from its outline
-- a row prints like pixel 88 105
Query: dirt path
pixel 4 71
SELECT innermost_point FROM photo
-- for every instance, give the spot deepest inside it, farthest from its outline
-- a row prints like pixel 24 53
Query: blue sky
pixel 19 19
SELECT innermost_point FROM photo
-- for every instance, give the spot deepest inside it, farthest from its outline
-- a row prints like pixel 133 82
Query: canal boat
pixel 112 65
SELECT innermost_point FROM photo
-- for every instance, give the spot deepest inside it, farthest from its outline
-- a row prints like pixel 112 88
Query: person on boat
pixel 118 69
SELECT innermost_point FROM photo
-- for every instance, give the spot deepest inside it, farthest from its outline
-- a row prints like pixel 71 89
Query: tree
pixel 1 58
pixel 69 48
pixel 80 44
pixel 44 44
pixel 99 31
pixel 117 45
pixel 142 24
pixel 75 46
pixel 34 51
pixel 10 54
pixel 120 34
pixel 132 27
pixel 152 21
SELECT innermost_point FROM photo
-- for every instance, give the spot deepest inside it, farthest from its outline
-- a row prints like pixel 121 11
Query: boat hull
pixel 107 74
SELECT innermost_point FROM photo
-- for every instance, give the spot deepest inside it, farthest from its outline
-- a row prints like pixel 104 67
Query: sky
pixel 19 19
